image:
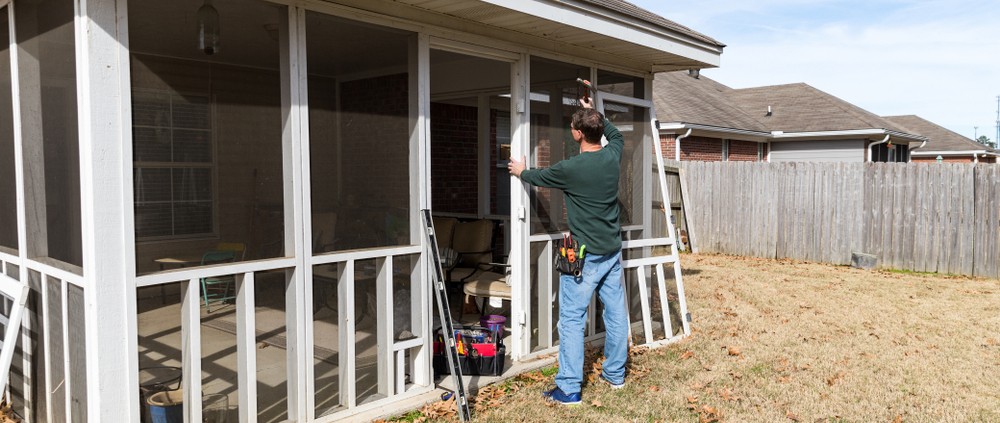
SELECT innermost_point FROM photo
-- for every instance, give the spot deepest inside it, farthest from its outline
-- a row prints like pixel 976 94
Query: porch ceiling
pixel 589 29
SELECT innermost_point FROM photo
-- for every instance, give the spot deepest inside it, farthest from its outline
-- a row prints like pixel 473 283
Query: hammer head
pixel 586 84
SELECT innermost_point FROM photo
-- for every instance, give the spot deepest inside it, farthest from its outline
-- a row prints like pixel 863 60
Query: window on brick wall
pixel 174 165
pixel 884 153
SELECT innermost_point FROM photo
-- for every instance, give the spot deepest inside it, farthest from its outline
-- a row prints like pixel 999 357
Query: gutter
pixel 709 128
pixel 922 144
pixel 779 135
pixel 871 147
pixel 957 152
pixel 677 144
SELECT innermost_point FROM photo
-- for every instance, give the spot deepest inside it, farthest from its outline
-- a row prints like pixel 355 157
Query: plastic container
pixel 494 323
pixel 488 359
pixel 167 406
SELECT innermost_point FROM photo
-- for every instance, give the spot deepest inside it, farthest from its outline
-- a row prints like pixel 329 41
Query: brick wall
pixel 375 145
pixel 710 149
pixel 701 149
pixel 743 151
pixel 668 145
pixel 951 159
pixel 454 160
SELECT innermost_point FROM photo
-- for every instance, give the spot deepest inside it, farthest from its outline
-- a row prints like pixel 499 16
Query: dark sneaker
pixel 612 385
pixel 557 395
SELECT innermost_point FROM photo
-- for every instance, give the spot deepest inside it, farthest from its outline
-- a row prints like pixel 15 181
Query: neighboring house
pixel 944 145
pixel 793 122
pixel 698 121
pixel 285 151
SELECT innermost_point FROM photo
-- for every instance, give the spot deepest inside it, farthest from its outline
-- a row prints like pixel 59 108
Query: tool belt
pixel 569 258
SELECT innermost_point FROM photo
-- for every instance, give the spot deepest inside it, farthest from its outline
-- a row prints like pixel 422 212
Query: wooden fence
pixel 923 217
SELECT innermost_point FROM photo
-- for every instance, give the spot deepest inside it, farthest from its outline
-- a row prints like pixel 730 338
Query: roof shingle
pixel 681 98
pixel 802 108
pixel 629 9
pixel 939 138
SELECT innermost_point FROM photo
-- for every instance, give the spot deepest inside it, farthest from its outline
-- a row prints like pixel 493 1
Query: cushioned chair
pixel 221 288
pixel 473 241
pixel 444 228
pixel 489 284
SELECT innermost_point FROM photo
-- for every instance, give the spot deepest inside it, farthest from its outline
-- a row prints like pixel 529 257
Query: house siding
pixel 818 151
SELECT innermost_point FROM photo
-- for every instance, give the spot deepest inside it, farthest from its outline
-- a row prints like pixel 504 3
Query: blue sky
pixel 938 59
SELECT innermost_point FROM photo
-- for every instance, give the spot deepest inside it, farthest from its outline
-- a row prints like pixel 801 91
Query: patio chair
pixel 473 241
pixel 218 289
pixel 489 284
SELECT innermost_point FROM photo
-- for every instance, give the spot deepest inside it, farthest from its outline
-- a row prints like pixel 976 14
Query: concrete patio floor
pixel 159 328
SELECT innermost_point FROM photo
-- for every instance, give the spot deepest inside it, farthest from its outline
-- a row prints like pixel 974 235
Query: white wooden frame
pixel 17 293
pixel 643 267
pixel 102 66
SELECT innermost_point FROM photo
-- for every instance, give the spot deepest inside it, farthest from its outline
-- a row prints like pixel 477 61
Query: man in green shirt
pixel 589 182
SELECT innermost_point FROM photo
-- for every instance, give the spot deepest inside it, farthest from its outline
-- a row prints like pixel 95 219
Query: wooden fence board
pixel 924 217
pixel 969 221
pixel 991 225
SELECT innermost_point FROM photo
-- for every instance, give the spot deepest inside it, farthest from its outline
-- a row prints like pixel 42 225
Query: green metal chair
pixel 220 288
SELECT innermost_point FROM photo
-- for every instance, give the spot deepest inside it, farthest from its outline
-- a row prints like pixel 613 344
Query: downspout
pixel 910 154
pixel 677 144
pixel 871 151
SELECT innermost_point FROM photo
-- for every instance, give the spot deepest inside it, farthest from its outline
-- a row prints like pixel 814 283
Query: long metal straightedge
pixel 447 327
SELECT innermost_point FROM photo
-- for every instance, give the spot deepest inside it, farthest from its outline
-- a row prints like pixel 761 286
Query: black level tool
pixel 447 328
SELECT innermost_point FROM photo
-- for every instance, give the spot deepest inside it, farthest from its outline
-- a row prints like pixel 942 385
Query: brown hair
pixel 591 123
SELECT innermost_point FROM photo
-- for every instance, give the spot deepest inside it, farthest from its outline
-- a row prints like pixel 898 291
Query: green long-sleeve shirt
pixel 590 184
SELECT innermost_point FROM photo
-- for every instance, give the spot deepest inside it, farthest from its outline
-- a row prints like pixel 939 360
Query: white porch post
pixel 520 223
pixel 106 197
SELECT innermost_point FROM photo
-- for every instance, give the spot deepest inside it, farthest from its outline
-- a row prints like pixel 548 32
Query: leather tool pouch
pixel 564 266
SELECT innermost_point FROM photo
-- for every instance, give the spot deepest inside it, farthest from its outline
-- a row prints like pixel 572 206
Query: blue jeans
pixel 602 273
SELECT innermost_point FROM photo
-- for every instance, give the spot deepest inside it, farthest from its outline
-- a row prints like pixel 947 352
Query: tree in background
pixel 983 139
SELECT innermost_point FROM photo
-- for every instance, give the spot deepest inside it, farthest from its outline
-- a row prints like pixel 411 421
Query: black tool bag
pixel 564 266
pixel 569 257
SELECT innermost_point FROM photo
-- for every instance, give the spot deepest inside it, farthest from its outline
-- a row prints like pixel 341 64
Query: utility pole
pixel 996 141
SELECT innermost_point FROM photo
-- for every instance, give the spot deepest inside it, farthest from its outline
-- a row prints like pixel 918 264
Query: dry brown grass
pixel 801 342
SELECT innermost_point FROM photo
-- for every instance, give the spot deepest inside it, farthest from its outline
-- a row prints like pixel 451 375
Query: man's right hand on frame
pixel 587 102
pixel 516 167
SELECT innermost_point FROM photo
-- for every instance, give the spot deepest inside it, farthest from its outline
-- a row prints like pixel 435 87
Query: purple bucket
pixel 493 322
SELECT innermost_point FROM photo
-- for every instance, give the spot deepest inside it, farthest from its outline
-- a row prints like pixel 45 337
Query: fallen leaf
pixel 898 419
pixel 708 414
pixel 791 416
pixel 654 388
pixel 687 355
pixel 734 351
pixel 692 399
pixel 728 395
pixel 597 403
pixel 833 379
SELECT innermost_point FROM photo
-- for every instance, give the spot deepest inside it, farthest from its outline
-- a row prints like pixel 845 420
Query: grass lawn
pixel 777 340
